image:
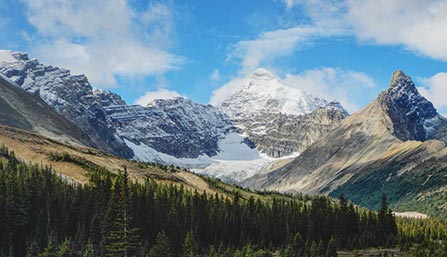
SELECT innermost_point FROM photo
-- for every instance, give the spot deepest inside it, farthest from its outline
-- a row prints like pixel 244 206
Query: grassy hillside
pixel 75 163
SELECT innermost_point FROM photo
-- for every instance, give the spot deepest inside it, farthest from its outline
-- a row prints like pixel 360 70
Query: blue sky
pixel 342 50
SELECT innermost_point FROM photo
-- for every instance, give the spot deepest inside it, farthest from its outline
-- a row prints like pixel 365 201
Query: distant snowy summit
pixel 280 120
pixel 262 92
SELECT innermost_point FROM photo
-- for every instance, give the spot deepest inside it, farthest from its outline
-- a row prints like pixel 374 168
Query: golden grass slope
pixel 33 148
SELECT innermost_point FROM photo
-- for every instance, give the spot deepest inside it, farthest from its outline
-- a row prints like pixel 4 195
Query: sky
pixel 343 50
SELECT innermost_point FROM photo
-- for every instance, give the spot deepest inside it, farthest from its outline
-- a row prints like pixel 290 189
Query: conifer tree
pixel 161 247
pixel 123 239
pixel 51 249
pixel 387 228
pixel 89 250
pixel 295 248
pixel 190 248
pixel 65 249
pixel 313 249
pixel 32 250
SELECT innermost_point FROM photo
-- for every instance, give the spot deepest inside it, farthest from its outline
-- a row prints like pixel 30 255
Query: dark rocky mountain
pixel 177 127
pixel 70 95
pixel 108 98
pixel 286 134
pixel 410 112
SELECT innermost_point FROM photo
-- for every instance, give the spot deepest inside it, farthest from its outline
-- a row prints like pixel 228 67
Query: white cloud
pixel 215 76
pixel 435 89
pixel 158 18
pixel 221 94
pixel 289 3
pixel 159 94
pixel 419 26
pixel 331 84
pixel 271 45
pixel 103 39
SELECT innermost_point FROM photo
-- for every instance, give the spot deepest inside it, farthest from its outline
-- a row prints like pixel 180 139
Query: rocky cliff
pixel 70 95
pixel 177 127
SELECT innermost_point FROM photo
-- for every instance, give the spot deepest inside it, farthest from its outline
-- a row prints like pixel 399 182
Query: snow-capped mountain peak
pixel 262 91
pixel 275 116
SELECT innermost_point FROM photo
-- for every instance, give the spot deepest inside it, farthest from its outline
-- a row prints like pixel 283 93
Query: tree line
pixel 42 214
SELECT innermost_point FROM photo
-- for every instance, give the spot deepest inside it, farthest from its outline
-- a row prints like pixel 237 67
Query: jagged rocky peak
pixel 397 77
pixel 336 106
pixel 171 101
pixel 263 92
pixel 411 113
pixel 108 98
pixel 70 95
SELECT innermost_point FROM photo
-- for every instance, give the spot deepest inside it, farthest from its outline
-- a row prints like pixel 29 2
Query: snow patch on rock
pixel 144 153
pixel 232 147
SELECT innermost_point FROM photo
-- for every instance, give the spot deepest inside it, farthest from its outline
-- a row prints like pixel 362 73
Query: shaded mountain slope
pixel 30 147
pixel 72 96
pixel 26 111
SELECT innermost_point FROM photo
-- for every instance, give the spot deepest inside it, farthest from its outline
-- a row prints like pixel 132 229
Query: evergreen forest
pixel 44 214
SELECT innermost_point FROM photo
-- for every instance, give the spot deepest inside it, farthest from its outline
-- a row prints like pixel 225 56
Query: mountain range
pixel 264 135
pixel 180 131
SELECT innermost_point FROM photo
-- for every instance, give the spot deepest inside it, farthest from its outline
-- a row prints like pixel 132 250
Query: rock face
pixel 25 111
pixel 70 95
pixel 408 110
pixel 279 119
pixel 108 98
pixel 388 146
pixel 178 127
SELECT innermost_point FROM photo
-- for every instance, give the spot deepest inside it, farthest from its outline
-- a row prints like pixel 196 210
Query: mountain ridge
pixel 70 95
pixel 182 132
pixel 29 112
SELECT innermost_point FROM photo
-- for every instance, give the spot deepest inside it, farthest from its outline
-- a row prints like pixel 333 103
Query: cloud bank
pixel 418 26
pixel 103 39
